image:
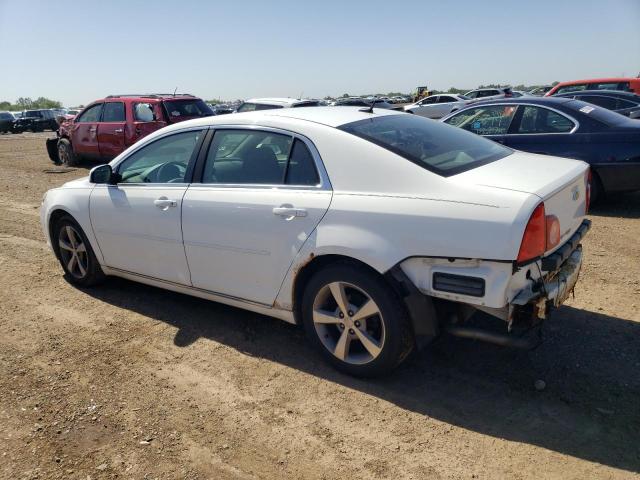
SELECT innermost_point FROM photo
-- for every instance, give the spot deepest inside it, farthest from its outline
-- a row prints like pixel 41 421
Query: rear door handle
pixel 289 212
pixel 163 203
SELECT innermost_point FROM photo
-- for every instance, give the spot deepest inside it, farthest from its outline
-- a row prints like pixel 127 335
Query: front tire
pixel 75 253
pixel 356 320
pixel 65 153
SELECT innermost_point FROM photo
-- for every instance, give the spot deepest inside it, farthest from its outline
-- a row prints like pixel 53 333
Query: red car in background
pixel 618 83
pixel 107 127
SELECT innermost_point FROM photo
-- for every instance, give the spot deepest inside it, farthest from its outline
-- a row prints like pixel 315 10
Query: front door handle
pixel 118 130
pixel 163 203
pixel 289 212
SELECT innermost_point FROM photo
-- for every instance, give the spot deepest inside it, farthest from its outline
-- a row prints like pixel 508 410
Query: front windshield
pixel 177 109
pixel 435 146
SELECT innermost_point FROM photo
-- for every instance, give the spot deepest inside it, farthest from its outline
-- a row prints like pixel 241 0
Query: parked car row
pixel 29 120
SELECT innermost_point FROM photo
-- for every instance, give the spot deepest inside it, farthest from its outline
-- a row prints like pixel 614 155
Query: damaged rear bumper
pixel 555 287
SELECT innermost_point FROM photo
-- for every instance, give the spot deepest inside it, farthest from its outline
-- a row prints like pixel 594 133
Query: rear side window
pixel 487 120
pixel 301 169
pixel 432 145
pixel 258 158
pixel 92 114
pixel 543 120
pixel 113 112
pixel 143 112
pixel 446 99
pixel 247 157
pixel 250 107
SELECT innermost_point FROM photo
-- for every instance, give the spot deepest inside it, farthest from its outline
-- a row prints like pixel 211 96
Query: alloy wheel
pixel 73 252
pixel 348 323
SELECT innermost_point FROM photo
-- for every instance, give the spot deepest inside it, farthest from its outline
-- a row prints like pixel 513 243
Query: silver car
pixel 438 106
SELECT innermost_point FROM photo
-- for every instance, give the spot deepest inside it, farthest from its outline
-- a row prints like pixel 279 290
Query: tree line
pixel 26 103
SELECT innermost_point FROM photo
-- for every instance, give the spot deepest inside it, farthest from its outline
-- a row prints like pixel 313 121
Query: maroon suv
pixel 108 126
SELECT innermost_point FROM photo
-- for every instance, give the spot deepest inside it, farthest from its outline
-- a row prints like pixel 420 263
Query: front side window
pixel 488 120
pixel 113 112
pixel 432 145
pixel 162 161
pixel 543 120
pixel 429 100
pixel 92 114
pixel 250 107
pixel 446 99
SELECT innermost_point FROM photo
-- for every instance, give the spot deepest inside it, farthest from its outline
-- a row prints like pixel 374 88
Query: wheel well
pixel 310 268
pixel 53 219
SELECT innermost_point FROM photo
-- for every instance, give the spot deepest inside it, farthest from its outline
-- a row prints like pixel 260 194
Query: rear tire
pixel 597 191
pixel 75 253
pixel 65 153
pixel 373 336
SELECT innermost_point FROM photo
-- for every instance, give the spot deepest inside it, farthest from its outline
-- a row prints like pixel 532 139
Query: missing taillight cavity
pixel 553 231
pixel 534 240
pixel 588 179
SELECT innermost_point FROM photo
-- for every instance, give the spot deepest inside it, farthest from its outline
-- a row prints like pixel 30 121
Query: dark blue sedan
pixel 563 127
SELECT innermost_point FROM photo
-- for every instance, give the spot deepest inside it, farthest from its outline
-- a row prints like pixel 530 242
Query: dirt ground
pixel 128 381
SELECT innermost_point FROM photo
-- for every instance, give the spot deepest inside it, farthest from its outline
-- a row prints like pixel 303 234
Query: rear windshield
pixel 250 107
pixel 187 108
pixel 435 146
pixel 313 103
pixel 600 114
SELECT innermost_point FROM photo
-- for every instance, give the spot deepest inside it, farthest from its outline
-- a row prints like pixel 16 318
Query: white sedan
pixel 438 106
pixel 376 230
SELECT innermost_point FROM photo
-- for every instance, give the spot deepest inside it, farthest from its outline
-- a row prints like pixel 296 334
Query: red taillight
pixel 534 240
pixel 553 231
pixel 587 201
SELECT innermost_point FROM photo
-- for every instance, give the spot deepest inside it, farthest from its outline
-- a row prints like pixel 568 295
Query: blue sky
pixel 77 51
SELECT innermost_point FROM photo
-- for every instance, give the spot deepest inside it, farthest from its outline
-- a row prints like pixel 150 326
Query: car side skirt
pixel 262 309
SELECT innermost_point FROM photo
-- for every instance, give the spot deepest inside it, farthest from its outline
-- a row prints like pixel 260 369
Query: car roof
pixel 147 96
pixel 488 88
pixel 279 101
pixel 550 101
pixel 616 93
pixel 598 80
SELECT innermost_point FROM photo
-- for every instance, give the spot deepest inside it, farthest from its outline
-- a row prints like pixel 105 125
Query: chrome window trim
pixel 324 185
pixel 576 123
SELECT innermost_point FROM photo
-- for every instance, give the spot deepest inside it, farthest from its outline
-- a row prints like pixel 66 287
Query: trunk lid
pixel 559 182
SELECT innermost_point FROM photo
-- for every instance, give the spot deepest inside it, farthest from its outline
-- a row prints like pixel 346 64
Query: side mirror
pixel 103 174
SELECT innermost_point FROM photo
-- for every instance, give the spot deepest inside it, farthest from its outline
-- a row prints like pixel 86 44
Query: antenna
pixel 369 109
pixel 174 92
